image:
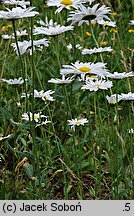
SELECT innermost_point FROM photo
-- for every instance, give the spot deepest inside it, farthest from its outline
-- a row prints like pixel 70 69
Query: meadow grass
pixel 53 161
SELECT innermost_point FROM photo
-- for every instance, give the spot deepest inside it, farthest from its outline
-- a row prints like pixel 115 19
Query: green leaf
pixel 69 188
pixel 25 126
pixel 28 169
pixel 84 164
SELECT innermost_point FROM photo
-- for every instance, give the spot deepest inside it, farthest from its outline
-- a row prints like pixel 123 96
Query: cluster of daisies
pixel 93 76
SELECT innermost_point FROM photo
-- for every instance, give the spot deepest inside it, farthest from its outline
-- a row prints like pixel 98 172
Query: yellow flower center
pixel 78 123
pixel 98 85
pixel 66 2
pixel 106 23
pixel 47 97
pixel 84 69
pixel 36 116
pixel 91 75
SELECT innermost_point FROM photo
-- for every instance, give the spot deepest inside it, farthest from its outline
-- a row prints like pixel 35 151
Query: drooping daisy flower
pixel 114 98
pixel 29 117
pixel 26 45
pixel 95 85
pixel 128 96
pixel 17 13
pixel 52 30
pixel 117 75
pixel 89 14
pixel 21 3
pixel 64 80
pixel 14 81
pixel 131 22
pixel 107 23
pixel 61 4
pixel 96 50
pixel 77 122
pixel 41 94
pixel 44 95
pixel 18 33
pixel 6 137
pixel 86 68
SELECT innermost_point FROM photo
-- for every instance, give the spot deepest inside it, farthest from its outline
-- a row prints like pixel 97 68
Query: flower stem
pixel 92 32
pixel 21 62
pixel 16 41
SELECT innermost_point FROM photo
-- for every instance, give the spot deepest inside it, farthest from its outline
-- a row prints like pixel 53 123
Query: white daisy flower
pixel 96 50
pixel 128 96
pixel 29 117
pixel 95 85
pixel 61 4
pixel 6 37
pixel 21 3
pixel 44 95
pixel 26 45
pixel 69 46
pixel 47 95
pixel 17 13
pixel 89 14
pixel 64 80
pixel 38 94
pixel 117 75
pixel 114 98
pixel 107 23
pixel 14 81
pixel 52 30
pixel 6 137
pixel 86 68
pixel 77 122
pixel 18 33
pixel 41 94
pixel 131 22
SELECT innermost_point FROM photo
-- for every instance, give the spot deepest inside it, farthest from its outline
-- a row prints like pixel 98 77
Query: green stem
pixel 16 41
pixel 20 57
pixel 93 35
